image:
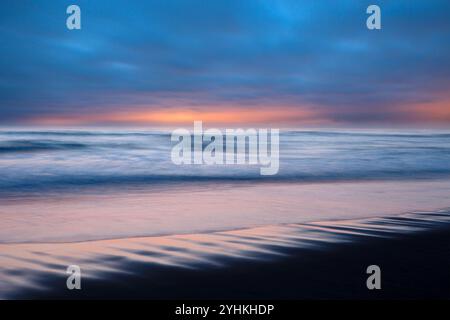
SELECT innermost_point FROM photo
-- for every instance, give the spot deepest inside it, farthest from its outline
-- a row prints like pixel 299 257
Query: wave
pixel 18 146
pixel 27 146
pixel 78 184
pixel 70 133
pixel 46 160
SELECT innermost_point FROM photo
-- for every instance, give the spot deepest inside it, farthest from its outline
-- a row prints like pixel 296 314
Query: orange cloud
pixel 438 112
pixel 178 116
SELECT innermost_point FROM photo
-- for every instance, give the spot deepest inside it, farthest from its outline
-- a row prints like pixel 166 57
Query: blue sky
pixel 316 57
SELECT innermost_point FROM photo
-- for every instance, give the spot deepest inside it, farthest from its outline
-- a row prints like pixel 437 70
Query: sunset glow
pixel 187 116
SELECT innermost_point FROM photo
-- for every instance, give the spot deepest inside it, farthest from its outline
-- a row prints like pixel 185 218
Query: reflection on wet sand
pixel 30 265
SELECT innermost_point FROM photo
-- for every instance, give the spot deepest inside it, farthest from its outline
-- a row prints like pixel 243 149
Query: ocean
pixel 36 162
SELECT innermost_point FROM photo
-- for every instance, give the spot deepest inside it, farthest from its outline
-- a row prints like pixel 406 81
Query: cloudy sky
pixel 295 63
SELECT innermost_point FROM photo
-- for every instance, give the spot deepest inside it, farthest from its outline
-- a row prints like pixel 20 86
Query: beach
pixel 140 227
pixel 325 260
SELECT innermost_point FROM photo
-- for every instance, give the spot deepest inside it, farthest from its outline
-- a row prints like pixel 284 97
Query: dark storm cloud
pixel 202 52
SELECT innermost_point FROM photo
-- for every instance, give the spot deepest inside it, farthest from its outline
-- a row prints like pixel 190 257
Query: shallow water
pixel 207 208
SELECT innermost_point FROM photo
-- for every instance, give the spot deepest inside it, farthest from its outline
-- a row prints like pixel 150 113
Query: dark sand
pixel 414 265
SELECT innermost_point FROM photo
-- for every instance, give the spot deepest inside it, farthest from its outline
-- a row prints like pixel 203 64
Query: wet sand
pixel 322 260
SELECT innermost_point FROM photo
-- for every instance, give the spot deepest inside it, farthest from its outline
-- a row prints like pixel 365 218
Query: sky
pixel 275 62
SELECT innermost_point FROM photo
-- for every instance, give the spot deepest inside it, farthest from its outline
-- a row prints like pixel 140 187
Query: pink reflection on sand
pixel 25 265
